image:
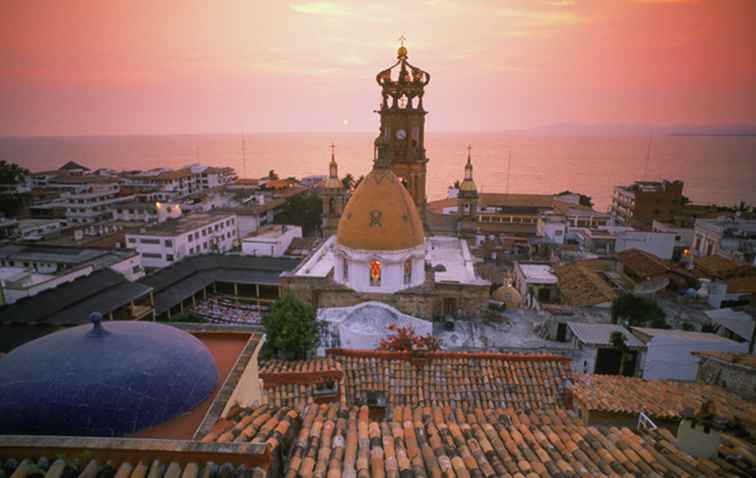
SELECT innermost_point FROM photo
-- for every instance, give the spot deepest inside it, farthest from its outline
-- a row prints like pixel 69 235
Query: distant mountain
pixel 644 129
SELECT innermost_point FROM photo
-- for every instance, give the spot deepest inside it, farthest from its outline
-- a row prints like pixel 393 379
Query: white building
pixel 163 244
pixel 90 199
pixel 552 227
pixel 137 211
pixel 38 229
pixel 683 235
pixel 595 353
pixel 669 351
pixel 733 238
pixel 27 270
pixel 660 244
pixel 170 185
pixel 536 283
pixel 270 241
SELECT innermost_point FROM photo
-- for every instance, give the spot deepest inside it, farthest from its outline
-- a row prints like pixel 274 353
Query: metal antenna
pixel 244 156
pixel 648 156
pixel 509 168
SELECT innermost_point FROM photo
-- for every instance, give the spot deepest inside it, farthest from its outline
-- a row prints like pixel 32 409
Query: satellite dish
pixel 652 286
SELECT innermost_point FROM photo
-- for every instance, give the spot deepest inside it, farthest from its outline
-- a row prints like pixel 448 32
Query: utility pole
pixel 244 156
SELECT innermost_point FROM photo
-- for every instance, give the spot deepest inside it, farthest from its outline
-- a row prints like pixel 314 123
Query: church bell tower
pixel 333 198
pixel 467 201
pixel 401 142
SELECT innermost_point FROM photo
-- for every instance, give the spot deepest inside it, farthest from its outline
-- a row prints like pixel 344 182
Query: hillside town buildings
pixel 534 378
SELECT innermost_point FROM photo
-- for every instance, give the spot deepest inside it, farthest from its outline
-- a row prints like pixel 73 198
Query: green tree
pixel 291 329
pixel 635 311
pixel 304 210
pixel 347 182
pixel 272 174
pixel 12 202
pixel 584 199
pixel 12 173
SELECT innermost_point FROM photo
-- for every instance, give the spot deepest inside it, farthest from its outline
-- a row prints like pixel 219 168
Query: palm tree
pixel 348 181
pixel 619 342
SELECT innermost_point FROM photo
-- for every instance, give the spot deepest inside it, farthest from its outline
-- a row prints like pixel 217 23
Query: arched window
pixel 408 271
pixel 345 268
pixel 375 273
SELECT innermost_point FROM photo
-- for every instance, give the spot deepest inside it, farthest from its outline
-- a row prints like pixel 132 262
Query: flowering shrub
pixel 405 340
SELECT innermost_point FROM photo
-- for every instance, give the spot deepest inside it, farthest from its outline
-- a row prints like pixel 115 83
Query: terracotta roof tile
pixel 293 383
pixel 743 359
pixel 464 380
pixel 663 399
pixel 641 263
pixel 582 285
pixel 338 441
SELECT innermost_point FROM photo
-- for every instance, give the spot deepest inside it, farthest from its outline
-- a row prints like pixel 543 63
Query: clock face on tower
pixel 401 135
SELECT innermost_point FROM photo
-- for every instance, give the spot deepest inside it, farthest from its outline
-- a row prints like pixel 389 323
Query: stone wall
pixel 425 302
pixel 735 378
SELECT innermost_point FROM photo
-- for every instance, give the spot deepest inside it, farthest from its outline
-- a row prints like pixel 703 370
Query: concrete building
pixel 669 351
pixel 141 211
pixel 171 185
pixel 597 354
pixel 38 229
pixel 27 270
pixel 271 241
pixel 90 199
pixel 659 244
pixel 683 237
pixel 643 201
pixel 536 283
pixel 552 227
pixel 733 238
pixel 736 324
pixel 163 244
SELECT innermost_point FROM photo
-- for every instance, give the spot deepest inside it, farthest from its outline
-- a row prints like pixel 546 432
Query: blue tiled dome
pixel 103 379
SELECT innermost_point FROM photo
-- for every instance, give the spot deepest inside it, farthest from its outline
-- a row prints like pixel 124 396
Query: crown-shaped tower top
pixel 402 83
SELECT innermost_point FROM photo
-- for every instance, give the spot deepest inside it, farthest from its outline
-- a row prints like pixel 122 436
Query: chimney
pixel 699 433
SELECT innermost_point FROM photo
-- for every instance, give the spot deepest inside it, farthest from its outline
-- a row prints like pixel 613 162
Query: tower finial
pixel 97 329
pixel 469 152
pixel 401 53
pixel 333 149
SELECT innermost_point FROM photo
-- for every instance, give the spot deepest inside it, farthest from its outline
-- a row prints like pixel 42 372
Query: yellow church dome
pixel 380 216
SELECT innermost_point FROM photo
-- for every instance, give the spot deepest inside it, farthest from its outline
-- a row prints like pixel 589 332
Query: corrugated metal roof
pixel 739 322
pixel 600 334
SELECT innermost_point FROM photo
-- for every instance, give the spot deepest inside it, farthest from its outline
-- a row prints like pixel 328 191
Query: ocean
pixel 716 169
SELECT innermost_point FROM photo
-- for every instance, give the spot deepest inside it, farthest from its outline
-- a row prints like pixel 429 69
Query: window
pixel 132 239
pixel 149 241
pixel 344 269
pixel 150 255
pixel 168 243
pixel 408 271
pixel 375 273
pixel 169 257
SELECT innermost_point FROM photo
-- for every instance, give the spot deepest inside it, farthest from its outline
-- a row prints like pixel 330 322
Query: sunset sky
pixel 144 66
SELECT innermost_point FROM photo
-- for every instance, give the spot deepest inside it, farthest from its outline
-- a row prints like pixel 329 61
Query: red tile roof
pixel 642 264
pixel 745 360
pixel 336 441
pixel 465 380
pixel 663 399
pixel 293 383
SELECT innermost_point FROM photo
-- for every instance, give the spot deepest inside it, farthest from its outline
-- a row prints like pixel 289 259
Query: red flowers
pixel 405 340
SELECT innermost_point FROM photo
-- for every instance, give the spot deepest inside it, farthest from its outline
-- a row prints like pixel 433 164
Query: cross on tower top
pixel 402 39
pixel 333 149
